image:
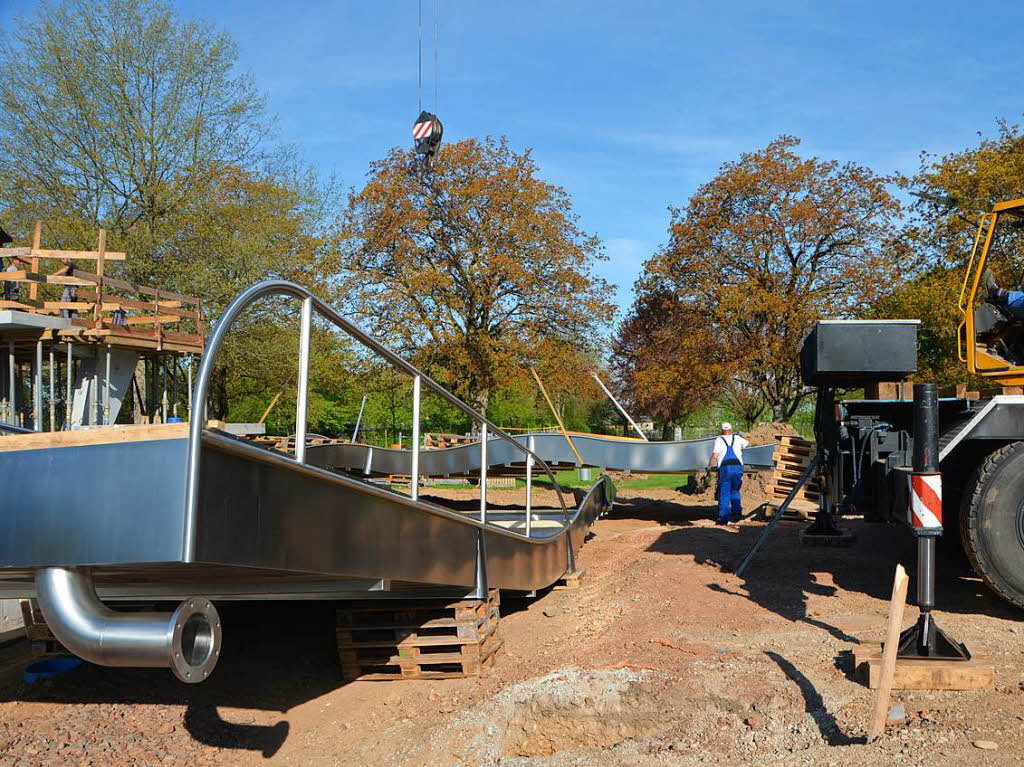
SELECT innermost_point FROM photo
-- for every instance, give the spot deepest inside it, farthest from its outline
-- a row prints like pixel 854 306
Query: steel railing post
pixel 300 403
pixel 415 478
pixel 106 393
pixel 37 399
pixel 483 473
pixel 11 389
pixel 53 392
pixel 67 389
pixel 529 485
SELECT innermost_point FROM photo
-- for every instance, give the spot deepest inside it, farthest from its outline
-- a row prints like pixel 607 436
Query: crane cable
pixel 437 26
pixel 419 78
pixel 419 62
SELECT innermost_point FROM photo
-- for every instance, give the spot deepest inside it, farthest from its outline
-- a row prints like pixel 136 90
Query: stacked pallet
pixel 41 640
pixel 419 640
pixel 440 441
pixel 791 457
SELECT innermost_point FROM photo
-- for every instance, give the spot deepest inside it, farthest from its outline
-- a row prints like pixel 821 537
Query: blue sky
pixel 630 105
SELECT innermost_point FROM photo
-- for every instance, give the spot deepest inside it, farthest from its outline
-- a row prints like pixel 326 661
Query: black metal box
pixel 853 352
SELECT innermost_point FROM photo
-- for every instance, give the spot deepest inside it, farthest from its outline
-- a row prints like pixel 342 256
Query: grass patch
pixel 570 479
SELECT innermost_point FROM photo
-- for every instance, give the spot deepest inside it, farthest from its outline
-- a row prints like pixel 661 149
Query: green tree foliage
pixel 774 242
pixel 119 114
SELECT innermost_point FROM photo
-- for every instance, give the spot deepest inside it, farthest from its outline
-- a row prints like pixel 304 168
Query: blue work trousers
pixel 730 480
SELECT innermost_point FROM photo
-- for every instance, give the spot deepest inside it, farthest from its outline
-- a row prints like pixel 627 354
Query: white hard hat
pixel 726 426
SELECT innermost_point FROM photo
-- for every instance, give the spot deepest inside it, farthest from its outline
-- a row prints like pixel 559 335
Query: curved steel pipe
pixel 187 641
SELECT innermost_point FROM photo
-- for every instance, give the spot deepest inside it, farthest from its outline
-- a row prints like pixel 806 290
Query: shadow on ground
pixel 275 656
pixel 783 575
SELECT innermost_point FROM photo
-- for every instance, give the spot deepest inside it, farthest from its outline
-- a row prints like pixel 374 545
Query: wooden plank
pixel 81 255
pixel 76 306
pixel 101 436
pixel 21 275
pixel 163 319
pixel 977 673
pixel 20 305
pixel 101 247
pixel 33 290
pixel 888 663
pixel 126 285
pixel 166 307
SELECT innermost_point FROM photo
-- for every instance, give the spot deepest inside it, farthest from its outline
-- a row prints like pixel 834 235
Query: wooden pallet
pixel 441 441
pixel 569 581
pixel 42 642
pixel 420 640
pixel 791 457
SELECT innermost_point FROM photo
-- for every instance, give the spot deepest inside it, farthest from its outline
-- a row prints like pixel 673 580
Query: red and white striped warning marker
pixel 423 129
pixel 925 501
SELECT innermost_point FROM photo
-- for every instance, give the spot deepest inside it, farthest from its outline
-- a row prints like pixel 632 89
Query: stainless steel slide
pixel 161 512
pixel 597 451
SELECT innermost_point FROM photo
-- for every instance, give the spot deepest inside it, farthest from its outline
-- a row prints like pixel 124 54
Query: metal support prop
pixel 359 420
pixel 174 385
pixel 481 565
pixel 301 399
pixel 67 388
pixel 483 473
pixel 106 391
pixel 414 489
pixel 188 407
pixel 558 418
pixel 778 515
pixel 163 390
pixel 530 444
pixel 53 392
pixel 621 409
pixel 37 394
pixel 925 639
pixel 97 412
pixel 11 386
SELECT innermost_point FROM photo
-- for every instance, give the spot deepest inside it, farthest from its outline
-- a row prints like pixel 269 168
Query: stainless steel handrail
pixel 309 303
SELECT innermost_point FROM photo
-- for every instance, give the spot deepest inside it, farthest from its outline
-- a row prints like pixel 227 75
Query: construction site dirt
pixel 661 656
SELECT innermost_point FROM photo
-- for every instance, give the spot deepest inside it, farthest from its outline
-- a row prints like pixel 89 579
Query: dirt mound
pixel 764 433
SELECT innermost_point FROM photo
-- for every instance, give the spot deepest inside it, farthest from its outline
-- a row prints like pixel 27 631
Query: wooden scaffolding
pixel 52 310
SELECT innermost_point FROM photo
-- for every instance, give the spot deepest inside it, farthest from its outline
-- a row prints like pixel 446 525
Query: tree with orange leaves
pixel 773 243
pixel 478 266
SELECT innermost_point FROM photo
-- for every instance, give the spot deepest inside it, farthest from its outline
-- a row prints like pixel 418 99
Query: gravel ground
pixel 660 657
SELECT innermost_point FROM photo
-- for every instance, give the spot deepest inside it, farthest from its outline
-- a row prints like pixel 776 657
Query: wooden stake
pixel 97 316
pixel 37 237
pixel 271 406
pixel 555 414
pixel 892 640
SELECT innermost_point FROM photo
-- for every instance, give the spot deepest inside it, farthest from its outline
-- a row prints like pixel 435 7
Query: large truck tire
pixel 992 521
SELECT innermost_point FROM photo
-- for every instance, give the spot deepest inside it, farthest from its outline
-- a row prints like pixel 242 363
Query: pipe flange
pixel 195 639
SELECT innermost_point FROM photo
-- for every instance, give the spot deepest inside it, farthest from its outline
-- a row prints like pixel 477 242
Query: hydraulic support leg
pixel 925 639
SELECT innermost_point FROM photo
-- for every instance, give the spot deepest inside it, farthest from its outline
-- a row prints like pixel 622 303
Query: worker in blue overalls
pixel 727 456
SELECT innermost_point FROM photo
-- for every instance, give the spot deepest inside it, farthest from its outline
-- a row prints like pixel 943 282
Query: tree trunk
pixel 478 400
pixel 218 395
